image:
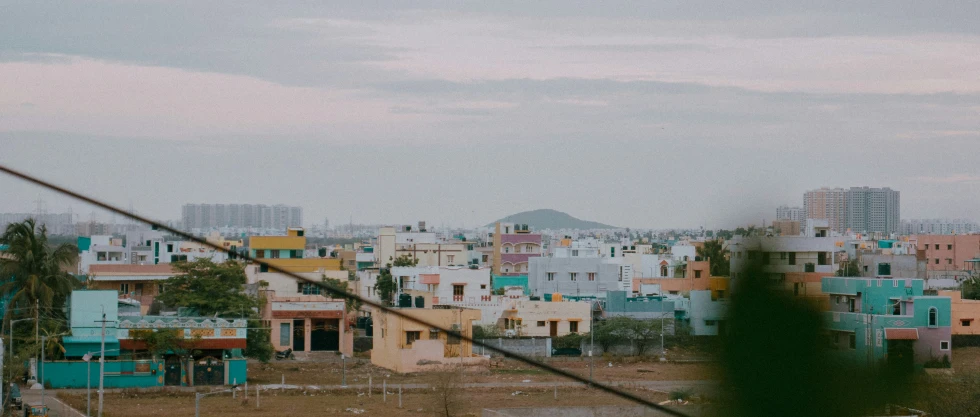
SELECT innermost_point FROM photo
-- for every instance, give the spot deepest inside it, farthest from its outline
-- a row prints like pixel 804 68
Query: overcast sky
pixel 642 114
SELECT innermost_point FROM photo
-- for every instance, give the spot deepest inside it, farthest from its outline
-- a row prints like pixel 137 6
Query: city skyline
pixel 334 107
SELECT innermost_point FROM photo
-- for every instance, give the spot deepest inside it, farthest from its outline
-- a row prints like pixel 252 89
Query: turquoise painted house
pixel 500 281
pixel 887 322
pixel 210 355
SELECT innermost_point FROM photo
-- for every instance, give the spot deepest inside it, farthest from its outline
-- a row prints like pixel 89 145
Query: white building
pixel 446 285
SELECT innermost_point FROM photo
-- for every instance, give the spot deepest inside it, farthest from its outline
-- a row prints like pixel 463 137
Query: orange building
pixel 965 313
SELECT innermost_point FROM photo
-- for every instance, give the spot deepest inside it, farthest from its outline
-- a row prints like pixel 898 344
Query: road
pixel 56 407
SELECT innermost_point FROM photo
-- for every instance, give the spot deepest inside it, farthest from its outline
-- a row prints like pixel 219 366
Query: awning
pixel 429 278
pixel 574 319
pixel 902 334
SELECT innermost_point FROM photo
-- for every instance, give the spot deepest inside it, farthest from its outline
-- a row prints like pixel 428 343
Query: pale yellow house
pixel 287 253
pixel 547 319
pixel 406 346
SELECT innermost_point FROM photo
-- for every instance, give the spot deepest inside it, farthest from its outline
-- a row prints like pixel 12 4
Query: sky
pixel 637 114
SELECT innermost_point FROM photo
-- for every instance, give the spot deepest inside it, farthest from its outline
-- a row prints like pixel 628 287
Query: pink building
pixel 948 252
pixel 513 245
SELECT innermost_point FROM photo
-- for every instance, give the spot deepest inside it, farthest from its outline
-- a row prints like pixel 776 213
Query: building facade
pixel 858 209
pixel 403 345
pixel 578 276
pixel 513 247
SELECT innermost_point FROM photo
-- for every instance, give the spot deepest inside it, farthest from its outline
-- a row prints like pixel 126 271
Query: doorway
pixel 901 356
pixel 325 335
pixel 172 371
pixel 554 328
pixel 299 335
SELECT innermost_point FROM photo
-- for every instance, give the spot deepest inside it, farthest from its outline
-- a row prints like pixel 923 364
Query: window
pixel 259 254
pixel 709 322
pixel 782 255
pixel 852 341
pixel 541 324
pixel 452 338
pixel 944 345
pixel 933 317
pixel 949 247
pixel 792 258
pixel 506 249
pixel 433 334
pixel 528 249
pixel 937 261
pixel 697 273
pixel 965 323
pixel 307 288
pixel 884 269
pixel 822 258
pixel 574 252
pixel 865 268
pixel 674 292
pixel 170 247
pixel 124 288
pixel 937 246
pixel 551 276
pixel 809 267
pixel 949 261
pixel 896 307
pixel 483 286
pixel 451 259
pixel 663 270
pixel 457 290
pixel 851 304
pixel 573 326
pixel 412 336
pixel 284 334
pixel 274 254
pixel 572 275
pixel 297 253
pixel 591 276
pixel 838 299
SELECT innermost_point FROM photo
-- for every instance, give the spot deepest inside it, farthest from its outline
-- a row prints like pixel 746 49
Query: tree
pixel 385 286
pixel 352 304
pixel 36 271
pixel 718 258
pixel 849 269
pixel 448 391
pixel 209 288
pixel 405 260
pixel 611 331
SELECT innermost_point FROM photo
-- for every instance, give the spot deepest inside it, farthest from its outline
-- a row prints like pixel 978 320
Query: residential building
pixel 790 213
pixel 948 253
pixel 965 314
pixel 858 209
pixel 135 282
pixel 787 227
pixel 622 304
pixel 514 246
pixel 257 216
pixel 506 283
pixel 887 320
pixel 780 255
pixel 879 265
pixel 56 223
pixel 212 354
pixel 579 276
pixel 939 227
pixel 444 285
pixel 403 345
pixel 100 250
pixel 707 315
pixel 568 248
pixel 287 253
pixel 426 247
pixel 547 318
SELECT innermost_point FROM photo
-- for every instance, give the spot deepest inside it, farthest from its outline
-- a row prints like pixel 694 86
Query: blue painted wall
pixel 71 374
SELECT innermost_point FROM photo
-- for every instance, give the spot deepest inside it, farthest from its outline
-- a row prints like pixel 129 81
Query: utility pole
pixel 102 363
pixel 43 340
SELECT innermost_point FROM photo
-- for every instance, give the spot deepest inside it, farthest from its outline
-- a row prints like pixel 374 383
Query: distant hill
pixel 551 219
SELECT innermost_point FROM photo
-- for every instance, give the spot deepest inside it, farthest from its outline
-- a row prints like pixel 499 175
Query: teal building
pixel 887 322
pixel 210 354
pixel 500 281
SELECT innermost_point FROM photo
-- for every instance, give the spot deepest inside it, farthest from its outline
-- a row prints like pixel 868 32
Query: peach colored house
pixel 136 282
pixel 966 313
pixel 948 252
pixel 406 346
pixel 696 278
pixel 307 323
pixel 808 286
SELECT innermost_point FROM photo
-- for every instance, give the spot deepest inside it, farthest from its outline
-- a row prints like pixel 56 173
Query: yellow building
pixel 287 253
pixel 406 346
pixel 548 319
pixel 965 313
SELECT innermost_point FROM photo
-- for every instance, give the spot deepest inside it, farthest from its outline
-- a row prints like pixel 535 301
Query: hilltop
pixel 551 219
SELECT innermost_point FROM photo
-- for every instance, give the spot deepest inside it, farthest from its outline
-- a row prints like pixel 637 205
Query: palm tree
pixel 34 272
pixel 713 251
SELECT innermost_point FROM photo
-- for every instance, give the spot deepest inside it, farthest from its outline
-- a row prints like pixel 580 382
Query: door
pixel 325 335
pixel 900 356
pixel 172 371
pixel 209 371
pixel 554 328
pixel 299 335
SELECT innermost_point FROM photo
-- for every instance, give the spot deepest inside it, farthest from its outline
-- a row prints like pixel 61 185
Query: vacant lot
pixel 310 403
pixel 358 371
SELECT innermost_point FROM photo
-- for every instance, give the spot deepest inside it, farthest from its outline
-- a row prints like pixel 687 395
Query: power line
pixel 340 293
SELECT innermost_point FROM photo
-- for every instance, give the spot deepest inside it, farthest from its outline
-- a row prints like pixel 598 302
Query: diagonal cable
pixel 341 293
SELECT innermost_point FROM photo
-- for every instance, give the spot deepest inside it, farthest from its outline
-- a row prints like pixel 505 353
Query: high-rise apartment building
pixel 939 227
pixel 260 216
pixel 858 209
pixel 790 213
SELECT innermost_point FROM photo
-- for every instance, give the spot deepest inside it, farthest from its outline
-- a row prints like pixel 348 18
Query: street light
pixel 88 380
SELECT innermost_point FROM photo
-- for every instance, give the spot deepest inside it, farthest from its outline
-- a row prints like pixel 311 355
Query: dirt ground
pixel 466 402
pixel 330 373
pixel 966 360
